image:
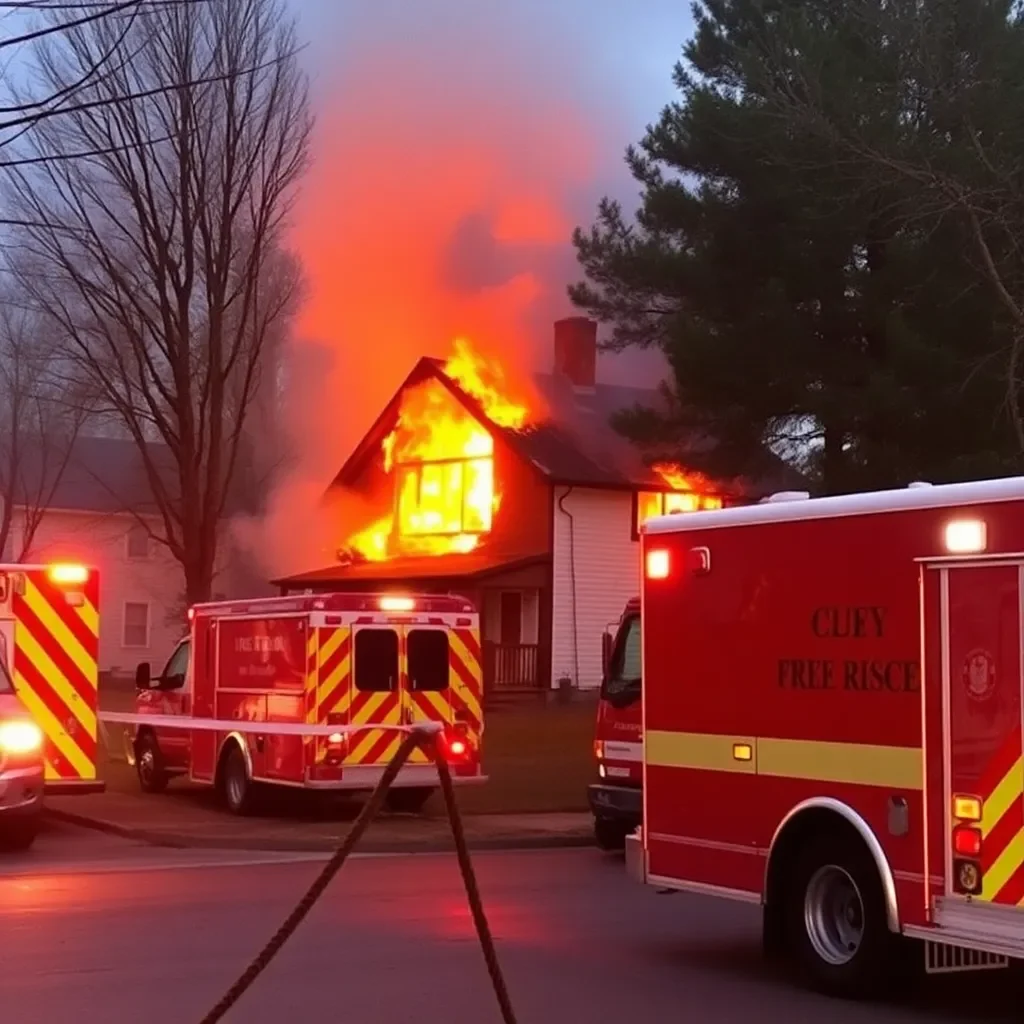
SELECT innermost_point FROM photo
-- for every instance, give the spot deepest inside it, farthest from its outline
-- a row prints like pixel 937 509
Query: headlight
pixel 20 737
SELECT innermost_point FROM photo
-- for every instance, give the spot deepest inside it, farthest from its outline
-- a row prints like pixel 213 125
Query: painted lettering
pixel 893 676
pixel 806 674
pixel 854 622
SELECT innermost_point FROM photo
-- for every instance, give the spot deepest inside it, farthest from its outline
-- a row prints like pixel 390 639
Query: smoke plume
pixel 457 145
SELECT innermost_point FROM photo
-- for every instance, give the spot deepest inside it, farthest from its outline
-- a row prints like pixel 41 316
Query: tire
pixel 149 764
pixel 237 790
pixel 610 834
pixel 835 920
pixel 408 800
pixel 18 835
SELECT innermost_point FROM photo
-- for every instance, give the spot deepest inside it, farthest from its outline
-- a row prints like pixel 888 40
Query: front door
pixel 426 673
pixel 980 635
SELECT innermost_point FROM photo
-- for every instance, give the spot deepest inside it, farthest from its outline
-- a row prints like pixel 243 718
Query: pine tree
pixel 796 292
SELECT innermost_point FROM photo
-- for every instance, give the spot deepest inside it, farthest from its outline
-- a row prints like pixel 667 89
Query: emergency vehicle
pixel 615 799
pixel 49 644
pixel 21 769
pixel 347 659
pixel 832 712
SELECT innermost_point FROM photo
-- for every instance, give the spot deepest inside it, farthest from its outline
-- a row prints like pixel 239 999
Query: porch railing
pixel 509 667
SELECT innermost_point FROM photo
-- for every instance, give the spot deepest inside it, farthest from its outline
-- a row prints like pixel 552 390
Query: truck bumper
pixel 617 803
pixel 21 793
pixel 72 787
pixel 636 862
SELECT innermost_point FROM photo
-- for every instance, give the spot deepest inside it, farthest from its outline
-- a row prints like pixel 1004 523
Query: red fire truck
pixel 615 800
pixel 361 662
pixel 832 712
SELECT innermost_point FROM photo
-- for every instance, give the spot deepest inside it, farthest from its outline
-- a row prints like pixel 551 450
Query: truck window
pixel 376 656
pixel 428 659
pixel 176 669
pixel 623 680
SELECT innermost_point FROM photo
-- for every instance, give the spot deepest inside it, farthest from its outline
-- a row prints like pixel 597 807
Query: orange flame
pixel 688 492
pixel 442 461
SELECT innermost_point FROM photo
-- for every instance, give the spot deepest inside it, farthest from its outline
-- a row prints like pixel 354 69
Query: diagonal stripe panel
pixel 56 671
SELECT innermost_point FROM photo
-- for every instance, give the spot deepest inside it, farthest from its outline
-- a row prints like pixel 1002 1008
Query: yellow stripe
pixel 27 645
pixel 89 616
pixel 701 751
pixel 1006 863
pixel 331 644
pixel 55 732
pixel 59 631
pixel 1003 797
pixel 863 764
pixel 369 709
pixel 455 680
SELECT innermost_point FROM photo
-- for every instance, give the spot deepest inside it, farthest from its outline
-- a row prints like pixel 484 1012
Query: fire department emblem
pixel 979 674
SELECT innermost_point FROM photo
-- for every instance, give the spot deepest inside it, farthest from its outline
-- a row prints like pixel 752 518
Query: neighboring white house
pixel 88 520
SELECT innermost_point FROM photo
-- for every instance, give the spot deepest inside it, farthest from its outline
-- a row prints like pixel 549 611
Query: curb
pixel 185 841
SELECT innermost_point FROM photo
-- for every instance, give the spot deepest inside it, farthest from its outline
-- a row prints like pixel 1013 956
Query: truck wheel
pixel 610 834
pixel 836 922
pixel 18 835
pixel 237 789
pixel 408 800
pixel 149 764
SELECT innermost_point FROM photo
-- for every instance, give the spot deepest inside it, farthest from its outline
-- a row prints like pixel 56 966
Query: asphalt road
pixel 97 929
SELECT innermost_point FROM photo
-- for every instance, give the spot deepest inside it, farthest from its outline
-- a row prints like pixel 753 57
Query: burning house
pixel 528 505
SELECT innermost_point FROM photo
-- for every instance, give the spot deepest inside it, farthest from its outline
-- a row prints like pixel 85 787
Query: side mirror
pixel 143 676
pixel 607 641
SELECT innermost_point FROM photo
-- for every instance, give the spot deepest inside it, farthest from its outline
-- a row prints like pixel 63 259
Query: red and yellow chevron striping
pixel 373 746
pixel 1002 824
pixel 56 651
pixel 466 677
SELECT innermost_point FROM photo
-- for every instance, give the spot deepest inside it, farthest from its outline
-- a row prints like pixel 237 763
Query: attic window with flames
pixel 689 492
pixel 442 460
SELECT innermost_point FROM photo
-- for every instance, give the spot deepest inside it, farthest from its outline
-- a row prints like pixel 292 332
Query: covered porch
pixel 512 595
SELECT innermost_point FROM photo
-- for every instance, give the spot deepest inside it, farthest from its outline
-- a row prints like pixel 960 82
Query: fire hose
pixel 427 741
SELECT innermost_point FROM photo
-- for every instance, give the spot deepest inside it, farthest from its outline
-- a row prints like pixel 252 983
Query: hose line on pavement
pixel 428 743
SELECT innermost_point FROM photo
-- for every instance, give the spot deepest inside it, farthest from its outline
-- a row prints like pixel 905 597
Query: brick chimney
pixel 576 350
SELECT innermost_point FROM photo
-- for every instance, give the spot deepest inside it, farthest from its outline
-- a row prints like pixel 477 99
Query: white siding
pixel 102 540
pixel 607 574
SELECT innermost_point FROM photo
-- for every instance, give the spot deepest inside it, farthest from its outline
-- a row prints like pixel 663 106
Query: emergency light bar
pixel 66 574
pixel 397 604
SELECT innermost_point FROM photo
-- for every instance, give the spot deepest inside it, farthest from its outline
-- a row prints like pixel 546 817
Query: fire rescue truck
pixel 832 713
pixel 49 648
pixel 615 800
pixel 363 662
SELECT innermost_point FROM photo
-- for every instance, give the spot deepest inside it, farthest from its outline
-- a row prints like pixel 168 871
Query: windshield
pixel 624 671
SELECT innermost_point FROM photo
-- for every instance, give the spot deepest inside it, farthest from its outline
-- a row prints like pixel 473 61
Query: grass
pixel 537 757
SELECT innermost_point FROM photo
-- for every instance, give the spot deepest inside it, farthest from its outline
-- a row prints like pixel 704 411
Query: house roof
pixel 103 474
pixel 574 444
pixel 472 565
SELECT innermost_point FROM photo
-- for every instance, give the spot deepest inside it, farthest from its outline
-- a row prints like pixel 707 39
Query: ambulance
pixel 49 647
pixel 832 716
pixel 363 662
pixel 616 801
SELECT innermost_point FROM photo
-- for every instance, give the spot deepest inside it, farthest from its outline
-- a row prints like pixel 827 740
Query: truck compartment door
pixel 980 680
pixel 426 683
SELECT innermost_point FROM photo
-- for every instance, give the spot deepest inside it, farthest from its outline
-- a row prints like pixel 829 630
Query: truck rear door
pixel 426 683
pixel 377 697
pixel 972 613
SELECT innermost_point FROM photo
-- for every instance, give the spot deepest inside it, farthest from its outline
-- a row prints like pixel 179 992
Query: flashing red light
pixel 657 564
pixel 967 842
pixel 457 748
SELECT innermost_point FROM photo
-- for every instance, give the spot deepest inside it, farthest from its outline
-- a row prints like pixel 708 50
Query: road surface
pixel 109 932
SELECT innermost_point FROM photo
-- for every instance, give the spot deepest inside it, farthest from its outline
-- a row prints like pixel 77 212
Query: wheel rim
pixel 147 765
pixel 834 915
pixel 236 787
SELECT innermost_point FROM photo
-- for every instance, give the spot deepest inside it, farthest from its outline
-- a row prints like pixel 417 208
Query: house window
pixel 136 624
pixel 449 497
pixel 661 503
pixel 138 542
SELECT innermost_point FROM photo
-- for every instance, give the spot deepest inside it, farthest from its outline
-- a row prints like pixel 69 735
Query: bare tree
pixel 38 427
pixel 154 255
pixel 30 21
